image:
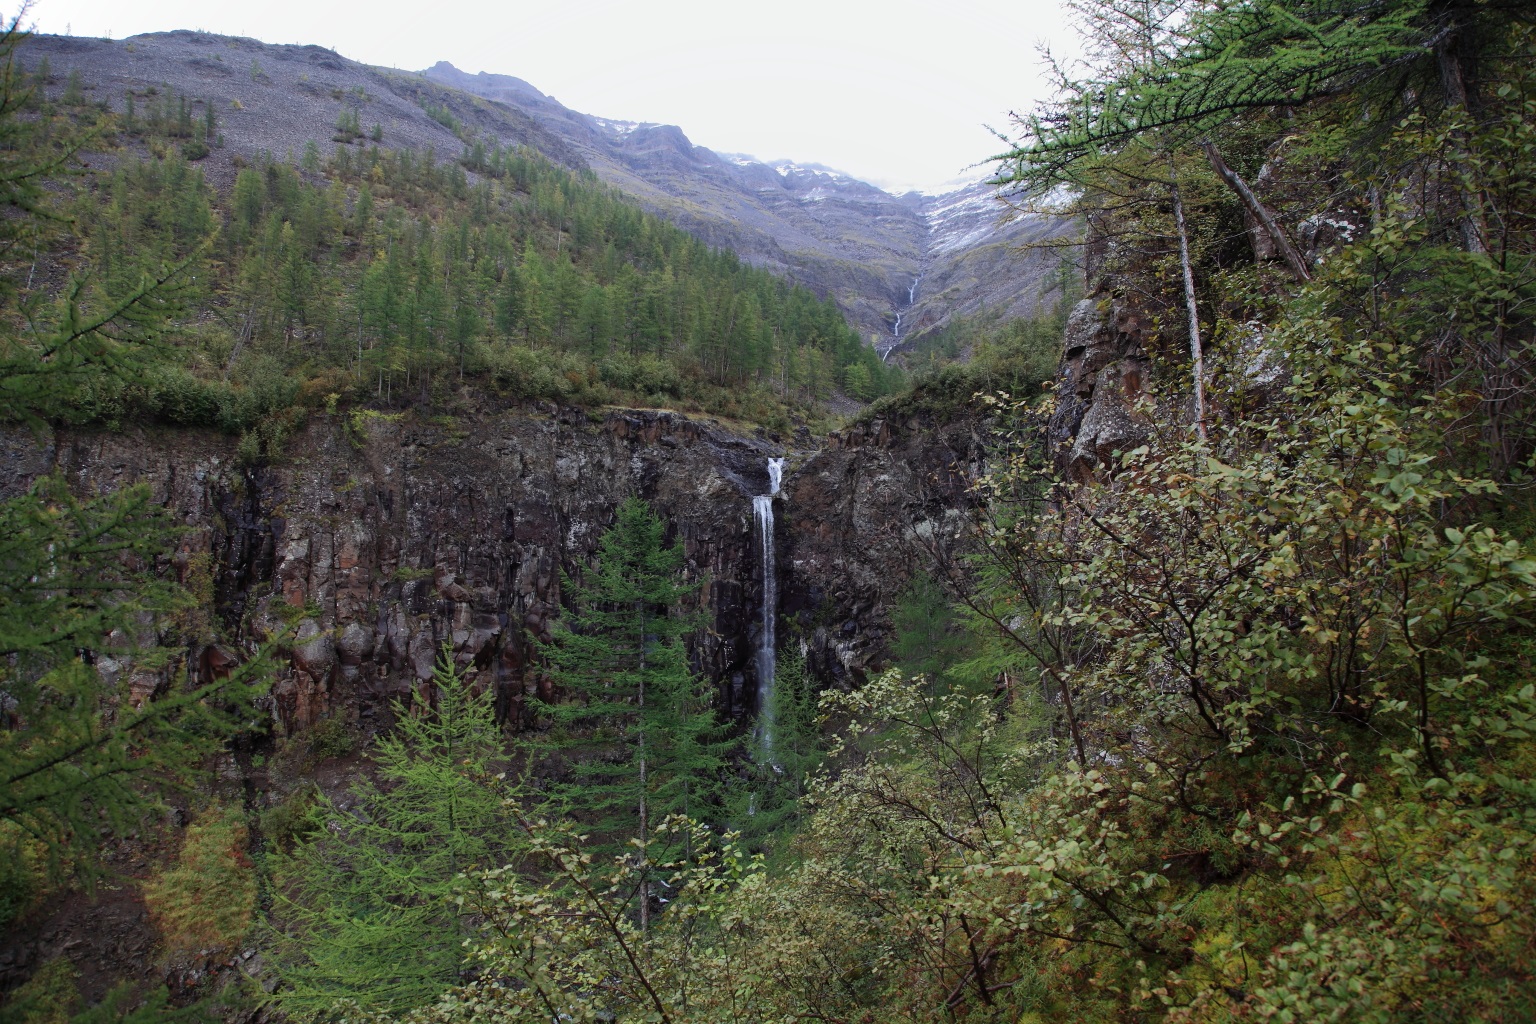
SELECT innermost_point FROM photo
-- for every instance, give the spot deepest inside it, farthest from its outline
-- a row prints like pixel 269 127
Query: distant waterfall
pixel 762 511
pixel 896 331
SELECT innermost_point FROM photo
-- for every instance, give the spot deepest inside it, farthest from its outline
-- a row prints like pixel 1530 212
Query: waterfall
pixel 896 331
pixel 762 511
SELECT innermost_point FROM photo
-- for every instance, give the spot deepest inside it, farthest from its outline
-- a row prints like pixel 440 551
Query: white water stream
pixel 762 511
pixel 896 331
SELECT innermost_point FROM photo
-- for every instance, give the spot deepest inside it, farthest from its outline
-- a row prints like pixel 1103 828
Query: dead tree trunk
pixel 1196 350
pixel 1258 211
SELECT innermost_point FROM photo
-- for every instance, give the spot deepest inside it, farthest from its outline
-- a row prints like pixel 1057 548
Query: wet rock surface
pixel 379 539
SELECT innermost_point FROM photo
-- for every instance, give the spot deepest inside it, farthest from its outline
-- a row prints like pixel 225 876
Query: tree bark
pixel 1258 211
pixel 1474 226
pixel 1196 350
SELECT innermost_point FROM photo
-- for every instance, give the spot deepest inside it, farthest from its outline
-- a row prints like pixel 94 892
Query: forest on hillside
pixel 386 277
pixel 1237 724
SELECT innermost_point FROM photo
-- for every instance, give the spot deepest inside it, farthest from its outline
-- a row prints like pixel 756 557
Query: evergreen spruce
pixel 636 729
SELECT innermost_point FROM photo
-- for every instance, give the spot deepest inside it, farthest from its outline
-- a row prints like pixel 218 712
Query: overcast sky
pixel 897 92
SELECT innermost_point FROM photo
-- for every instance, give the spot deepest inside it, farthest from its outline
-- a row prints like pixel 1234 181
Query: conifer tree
pixel 638 730
pixel 368 902
pixel 96 718
pixel 92 704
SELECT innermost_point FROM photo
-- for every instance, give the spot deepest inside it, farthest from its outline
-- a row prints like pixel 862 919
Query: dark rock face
pixel 858 520
pixel 1103 368
pixel 383 540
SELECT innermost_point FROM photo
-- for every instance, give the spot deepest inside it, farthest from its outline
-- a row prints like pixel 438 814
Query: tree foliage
pixel 1183 70
pixel 367 912
pixel 100 715
pixel 388 277
pixel 636 730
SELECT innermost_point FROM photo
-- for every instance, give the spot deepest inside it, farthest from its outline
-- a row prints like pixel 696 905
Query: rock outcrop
pixel 859 519
pixel 380 539
pixel 1101 378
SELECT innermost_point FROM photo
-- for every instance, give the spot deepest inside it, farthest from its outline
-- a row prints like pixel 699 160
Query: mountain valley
pixel 841 237
pixel 465 560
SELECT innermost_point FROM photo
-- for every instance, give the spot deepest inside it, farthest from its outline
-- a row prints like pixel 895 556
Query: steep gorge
pixel 382 538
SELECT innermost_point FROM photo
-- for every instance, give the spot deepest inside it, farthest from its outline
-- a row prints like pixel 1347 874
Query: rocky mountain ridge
pixel 896 265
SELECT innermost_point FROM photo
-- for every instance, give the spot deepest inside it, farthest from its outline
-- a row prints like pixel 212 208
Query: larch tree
pixel 367 910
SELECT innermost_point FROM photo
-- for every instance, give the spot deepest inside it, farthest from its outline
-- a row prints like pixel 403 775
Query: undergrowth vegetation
pixel 398 278
pixel 1238 726
pixel 207 898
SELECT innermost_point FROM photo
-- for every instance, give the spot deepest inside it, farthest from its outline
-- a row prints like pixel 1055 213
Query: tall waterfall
pixel 885 355
pixel 762 510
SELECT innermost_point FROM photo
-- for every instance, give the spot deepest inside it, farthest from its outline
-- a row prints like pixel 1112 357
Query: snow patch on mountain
pixel 964 218
pixel 788 167
pixel 620 128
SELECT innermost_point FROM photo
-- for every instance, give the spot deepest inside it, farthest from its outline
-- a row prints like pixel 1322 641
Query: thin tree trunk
pixel 1258 211
pixel 1474 226
pixel 1196 351
pixel 246 330
pixel 645 853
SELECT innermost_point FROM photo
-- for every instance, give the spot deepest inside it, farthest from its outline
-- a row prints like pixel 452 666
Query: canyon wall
pixel 378 539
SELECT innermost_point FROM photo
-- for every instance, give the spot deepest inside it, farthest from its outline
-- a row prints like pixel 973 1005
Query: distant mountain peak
pixel 482 82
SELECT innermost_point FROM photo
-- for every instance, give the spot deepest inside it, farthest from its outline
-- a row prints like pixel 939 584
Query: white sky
pixel 894 91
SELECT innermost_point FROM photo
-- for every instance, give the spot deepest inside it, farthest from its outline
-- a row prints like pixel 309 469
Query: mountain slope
pixel 842 237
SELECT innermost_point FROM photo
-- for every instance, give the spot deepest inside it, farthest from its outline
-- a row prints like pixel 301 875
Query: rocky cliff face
pixel 380 539
pixel 1100 381
pixel 858 520
pixel 383 539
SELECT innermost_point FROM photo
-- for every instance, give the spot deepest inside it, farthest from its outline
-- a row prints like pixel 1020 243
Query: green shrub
pixel 22 877
pixel 330 737
pixel 208 897
pixel 295 818
pixel 48 997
